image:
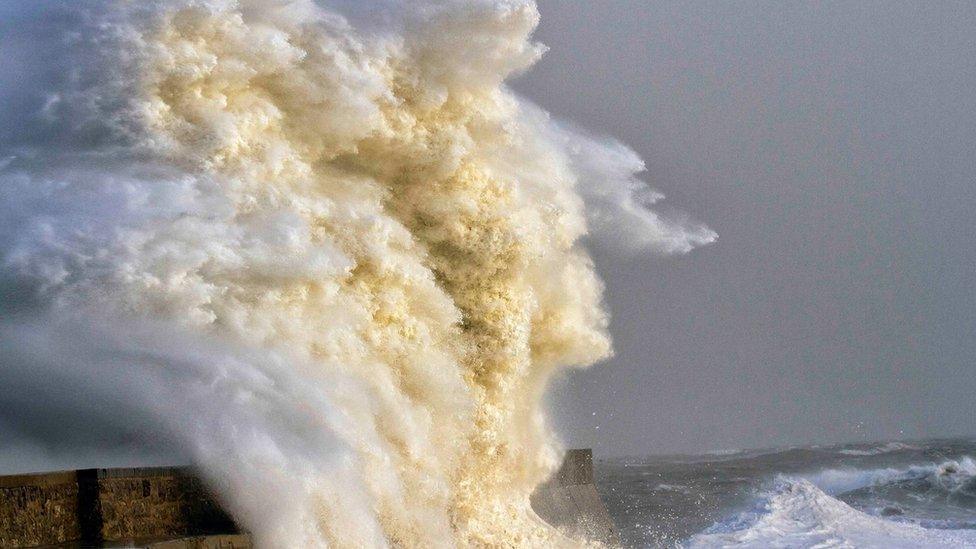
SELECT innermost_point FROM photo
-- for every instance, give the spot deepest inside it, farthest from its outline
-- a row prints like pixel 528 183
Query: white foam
pixel 948 474
pixel 878 450
pixel 335 262
pixel 798 514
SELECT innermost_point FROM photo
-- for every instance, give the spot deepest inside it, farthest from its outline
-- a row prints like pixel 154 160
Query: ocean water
pixel 890 495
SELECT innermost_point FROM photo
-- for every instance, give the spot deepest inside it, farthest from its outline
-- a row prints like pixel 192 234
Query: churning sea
pixel 884 495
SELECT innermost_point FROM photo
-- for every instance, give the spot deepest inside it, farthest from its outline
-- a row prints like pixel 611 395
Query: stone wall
pixel 95 507
pixel 38 509
pixel 157 503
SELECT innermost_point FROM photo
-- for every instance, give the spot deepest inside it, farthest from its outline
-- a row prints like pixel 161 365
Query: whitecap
pixel 795 513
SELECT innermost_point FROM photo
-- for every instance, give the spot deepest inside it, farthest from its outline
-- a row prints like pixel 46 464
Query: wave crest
pixel 796 513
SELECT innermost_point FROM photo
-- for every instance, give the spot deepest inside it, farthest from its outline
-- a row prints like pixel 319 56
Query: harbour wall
pixel 171 508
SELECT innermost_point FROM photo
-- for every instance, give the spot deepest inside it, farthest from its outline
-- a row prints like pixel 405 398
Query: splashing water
pixel 320 247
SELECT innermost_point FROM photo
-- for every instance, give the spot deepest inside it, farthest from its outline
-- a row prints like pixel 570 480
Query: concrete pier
pixel 570 502
pixel 170 508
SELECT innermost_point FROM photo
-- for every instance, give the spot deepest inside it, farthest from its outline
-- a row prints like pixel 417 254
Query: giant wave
pixel 319 247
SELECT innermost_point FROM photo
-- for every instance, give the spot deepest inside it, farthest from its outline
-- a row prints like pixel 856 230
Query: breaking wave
pixel 918 506
pixel 877 450
pixel 795 513
pixel 319 247
pixel 948 476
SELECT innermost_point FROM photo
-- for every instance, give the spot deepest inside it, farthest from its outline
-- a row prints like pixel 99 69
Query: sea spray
pixel 323 249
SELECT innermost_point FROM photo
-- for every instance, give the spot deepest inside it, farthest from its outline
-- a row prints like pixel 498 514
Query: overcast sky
pixel 832 145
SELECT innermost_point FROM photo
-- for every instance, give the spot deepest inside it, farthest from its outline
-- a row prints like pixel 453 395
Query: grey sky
pixel 832 145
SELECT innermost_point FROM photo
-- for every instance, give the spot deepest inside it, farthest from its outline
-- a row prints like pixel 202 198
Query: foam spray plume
pixel 319 247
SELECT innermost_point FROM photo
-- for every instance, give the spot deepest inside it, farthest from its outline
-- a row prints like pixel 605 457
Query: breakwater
pixel 171 508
